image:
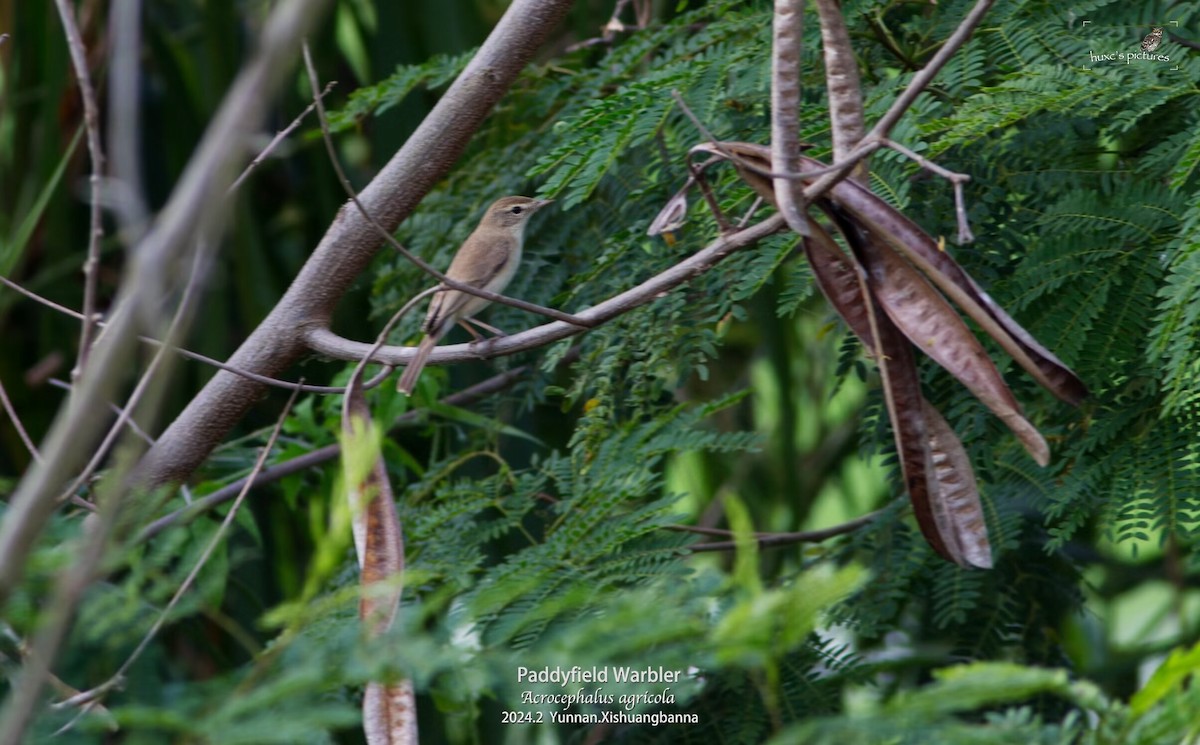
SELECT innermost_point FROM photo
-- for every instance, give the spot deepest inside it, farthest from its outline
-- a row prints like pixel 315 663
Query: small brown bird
pixel 488 259
pixel 1152 40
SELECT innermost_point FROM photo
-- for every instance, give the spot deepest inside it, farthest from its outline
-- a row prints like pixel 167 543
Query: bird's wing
pixel 479 262
pixel 476 264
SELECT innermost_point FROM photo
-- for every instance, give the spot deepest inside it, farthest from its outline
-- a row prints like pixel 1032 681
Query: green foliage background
pixel 538 522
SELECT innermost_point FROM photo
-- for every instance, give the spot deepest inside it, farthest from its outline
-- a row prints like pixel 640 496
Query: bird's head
pixel 513 213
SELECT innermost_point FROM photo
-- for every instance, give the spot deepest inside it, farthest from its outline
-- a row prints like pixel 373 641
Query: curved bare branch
pixel 325 342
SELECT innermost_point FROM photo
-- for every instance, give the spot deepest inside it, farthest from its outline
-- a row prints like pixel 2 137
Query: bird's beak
pixel 541 203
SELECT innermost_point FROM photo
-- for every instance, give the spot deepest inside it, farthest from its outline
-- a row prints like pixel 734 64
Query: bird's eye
pixel 517 210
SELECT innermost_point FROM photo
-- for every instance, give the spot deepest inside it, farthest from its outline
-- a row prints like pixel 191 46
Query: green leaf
pixel 1177 670
pixel 479 421
pixel 965 688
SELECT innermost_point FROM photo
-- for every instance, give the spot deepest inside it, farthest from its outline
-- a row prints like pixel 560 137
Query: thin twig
pixel 383 335
pixel 593 42
pixel 276 382
pixel 325 454
pixel 280 137
pixel 195 206
pixel 83 711
pixel 876 138
pixel 133 426
pixel 381 376
pixel 38 298
pixel 956 179
pixel 642 12
pixel 609 31
pixel 614 22
pixel 763 539
pixel 119 676
pixel 557 315
pixel 926 75
pixel 91 119
pixel 1182 41
pixel 903 102
pixel 178 320
pixel 33 451
pixel 57 683
pixel 660 144
pixel 720 147
pixel 884 35
pixel 775 540
pixel 16 422
pixel 12 413
pixel 708 135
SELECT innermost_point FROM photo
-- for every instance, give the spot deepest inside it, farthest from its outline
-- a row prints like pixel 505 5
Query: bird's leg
pixel 470 323
pixel 476 336
pixel 467 324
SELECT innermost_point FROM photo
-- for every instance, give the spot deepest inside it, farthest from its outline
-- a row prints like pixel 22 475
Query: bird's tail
pixel 409 379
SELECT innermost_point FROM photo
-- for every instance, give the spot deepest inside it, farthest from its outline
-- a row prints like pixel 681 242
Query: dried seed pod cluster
pixel 894 290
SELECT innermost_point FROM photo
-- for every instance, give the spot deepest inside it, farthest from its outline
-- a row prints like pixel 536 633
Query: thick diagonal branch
pixel 351 242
